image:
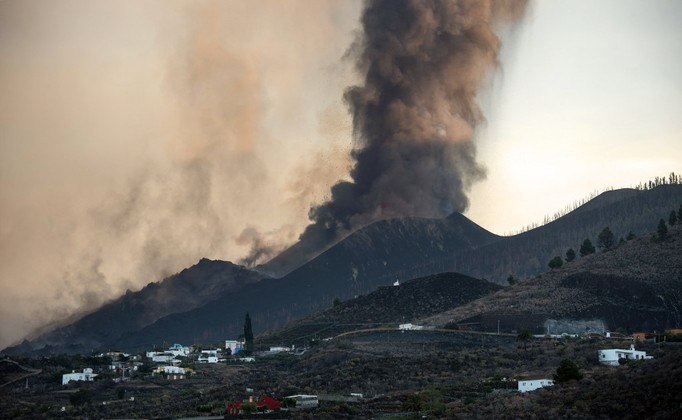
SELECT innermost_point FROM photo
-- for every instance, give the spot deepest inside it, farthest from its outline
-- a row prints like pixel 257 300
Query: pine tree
pixel 662 230
pixel 570 255
pixel 630 236
pixel 248 335
pixel 586 248
pixel 679 213
pixel 673 218
pixel 555 262
pixel 605 239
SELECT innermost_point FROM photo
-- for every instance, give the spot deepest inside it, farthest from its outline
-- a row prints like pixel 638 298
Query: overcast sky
pixel 139 136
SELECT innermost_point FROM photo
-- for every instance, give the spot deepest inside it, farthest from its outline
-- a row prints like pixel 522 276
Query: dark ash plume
pixel 414 117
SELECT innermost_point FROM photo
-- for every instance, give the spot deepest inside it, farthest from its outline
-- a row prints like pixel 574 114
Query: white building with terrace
pixel 613 357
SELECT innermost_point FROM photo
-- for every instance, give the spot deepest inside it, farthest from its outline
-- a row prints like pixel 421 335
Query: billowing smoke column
pixel 415 115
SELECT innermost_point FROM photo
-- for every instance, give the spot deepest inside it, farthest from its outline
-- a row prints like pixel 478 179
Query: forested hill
pixel 636 286
pixel 527 254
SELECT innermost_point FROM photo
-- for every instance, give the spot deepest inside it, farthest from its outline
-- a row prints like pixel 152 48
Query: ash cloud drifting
pixel 135 141
pixel 415 115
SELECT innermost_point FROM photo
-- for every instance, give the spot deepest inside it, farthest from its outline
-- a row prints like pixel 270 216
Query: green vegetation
pixel 570 255
pixel 555 262
pixel 662 230
pixel 248 408
pixel 605 240
pixel 567 371
pixel 248 335
pixel 429 401
pixel 630 236
pixel 412 403
pixel 524 336
pixel 511 280
pixel 336 302
pixel 586 248
pixel 81 397
pixel 673 218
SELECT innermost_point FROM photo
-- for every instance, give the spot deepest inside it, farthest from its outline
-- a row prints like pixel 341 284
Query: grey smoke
pixel 414 117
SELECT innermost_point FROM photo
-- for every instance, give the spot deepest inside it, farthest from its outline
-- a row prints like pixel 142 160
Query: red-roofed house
pixel 267 404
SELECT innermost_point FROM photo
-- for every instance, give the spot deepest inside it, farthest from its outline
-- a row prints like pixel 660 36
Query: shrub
pixel 81 397
pixel 567 371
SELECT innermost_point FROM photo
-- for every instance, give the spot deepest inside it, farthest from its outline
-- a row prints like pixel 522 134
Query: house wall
pixel 533 384
pixel 86 375
pixel 234 346
pixel 612 356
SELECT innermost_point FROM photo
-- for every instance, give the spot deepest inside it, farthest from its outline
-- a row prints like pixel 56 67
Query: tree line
pixel 607 241
pixel 671 179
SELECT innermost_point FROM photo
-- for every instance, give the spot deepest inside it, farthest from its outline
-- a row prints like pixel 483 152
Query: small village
pixel 179 363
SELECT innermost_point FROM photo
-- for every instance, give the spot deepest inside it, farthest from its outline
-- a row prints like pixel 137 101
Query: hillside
pixel 637 286
pixel 384 249
pixel 369 258
pixel 388 246
pixel 372 257
pixel 387 305
pixel 526 254
pixel 189 289
pixel 636 390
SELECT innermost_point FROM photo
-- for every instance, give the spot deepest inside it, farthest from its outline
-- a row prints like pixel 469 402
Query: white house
pixel 211 352
pixel 612 357
pixel 172 369
pixel 410 327
pixel 163 358
pixel 279 349
pixel 171 372
pixel 179 350
pixel 86 375
pixel 234 346
pixel 304 401
pixel 533 384
pixel 207 359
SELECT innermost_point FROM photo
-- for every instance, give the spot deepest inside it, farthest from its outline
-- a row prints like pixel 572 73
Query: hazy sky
pixel 139 136
pixel 589 96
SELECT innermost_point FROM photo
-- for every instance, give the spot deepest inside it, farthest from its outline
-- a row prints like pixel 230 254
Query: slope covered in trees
pixel 527 254
pixel 636 286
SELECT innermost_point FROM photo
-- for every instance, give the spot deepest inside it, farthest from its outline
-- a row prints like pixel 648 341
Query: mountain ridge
pixel 185 290
pixel 636 286
pixel 400 249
